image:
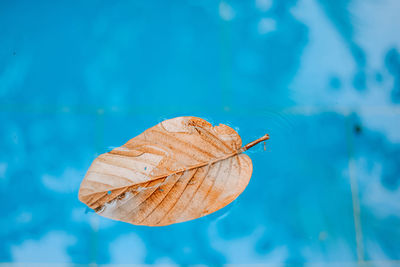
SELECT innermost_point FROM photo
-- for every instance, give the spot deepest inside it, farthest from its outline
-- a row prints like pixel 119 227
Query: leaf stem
pixel 109 197
pixel 251 144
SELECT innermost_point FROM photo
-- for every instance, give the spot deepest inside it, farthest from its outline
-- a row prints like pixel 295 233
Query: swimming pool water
pixel 321 77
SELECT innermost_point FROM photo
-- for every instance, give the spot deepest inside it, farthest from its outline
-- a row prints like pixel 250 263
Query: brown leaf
pixel 179 170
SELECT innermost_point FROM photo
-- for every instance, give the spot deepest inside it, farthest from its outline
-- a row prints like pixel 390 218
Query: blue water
pixel 78 78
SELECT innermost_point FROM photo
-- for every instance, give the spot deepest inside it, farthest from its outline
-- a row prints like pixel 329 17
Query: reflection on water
pixel 321 77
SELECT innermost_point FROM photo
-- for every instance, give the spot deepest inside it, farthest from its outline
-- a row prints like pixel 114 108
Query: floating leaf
pixel 179 170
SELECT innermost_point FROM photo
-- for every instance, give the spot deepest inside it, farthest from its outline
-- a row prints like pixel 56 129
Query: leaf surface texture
pixel 179 170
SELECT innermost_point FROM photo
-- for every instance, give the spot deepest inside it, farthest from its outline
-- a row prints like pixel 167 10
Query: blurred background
pixel 78 78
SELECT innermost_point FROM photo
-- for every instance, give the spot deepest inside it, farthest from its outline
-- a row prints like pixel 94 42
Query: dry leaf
pixel 179 170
